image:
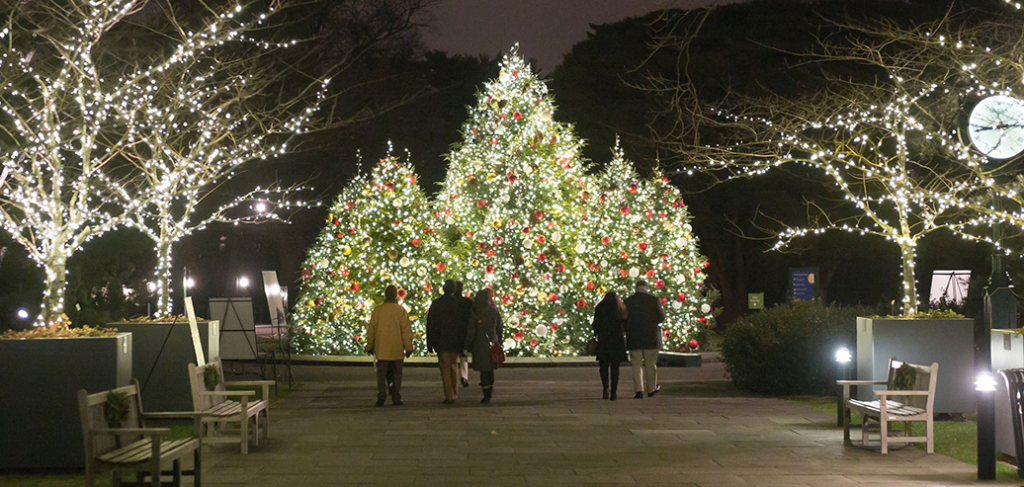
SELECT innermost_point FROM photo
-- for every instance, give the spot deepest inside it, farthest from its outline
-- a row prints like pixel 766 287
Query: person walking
pixel 609 329
pixel 446 333
pixel 643 339
pixel 389 338
pixel 467 304
pixel 483 329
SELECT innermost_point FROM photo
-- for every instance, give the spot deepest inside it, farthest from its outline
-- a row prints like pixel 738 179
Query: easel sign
pixel 193 326
pixel 275 300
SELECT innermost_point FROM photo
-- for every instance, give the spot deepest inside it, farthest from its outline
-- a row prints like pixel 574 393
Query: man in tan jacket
pixel 389 337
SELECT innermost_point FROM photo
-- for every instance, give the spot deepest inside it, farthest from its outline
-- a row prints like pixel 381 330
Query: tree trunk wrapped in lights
pixel 518 213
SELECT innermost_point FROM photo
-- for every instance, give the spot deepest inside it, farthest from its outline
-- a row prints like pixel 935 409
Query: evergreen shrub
pixel 790 349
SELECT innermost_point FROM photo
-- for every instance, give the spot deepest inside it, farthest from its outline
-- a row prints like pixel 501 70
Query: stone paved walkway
pixel 549 427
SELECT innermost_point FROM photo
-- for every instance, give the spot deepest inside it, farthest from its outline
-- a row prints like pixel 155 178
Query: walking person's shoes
pixel 448 401
pixel 611 397
pixel 638 395
pixel 380 401
pixel 397 402
pixel 655 391
pixel 606 393
pixel 465 382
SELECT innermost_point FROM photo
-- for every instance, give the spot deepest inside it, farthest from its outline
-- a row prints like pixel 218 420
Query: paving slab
pixel 549 426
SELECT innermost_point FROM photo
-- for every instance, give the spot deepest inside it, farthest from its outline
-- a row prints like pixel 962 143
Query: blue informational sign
pixel 802 285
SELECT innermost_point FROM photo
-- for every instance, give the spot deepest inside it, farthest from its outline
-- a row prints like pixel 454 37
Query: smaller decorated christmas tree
pixel 377 234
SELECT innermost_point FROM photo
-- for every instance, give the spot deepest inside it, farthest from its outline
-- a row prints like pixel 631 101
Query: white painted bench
pixel 132 446
pixel 221 415
pixel 916 405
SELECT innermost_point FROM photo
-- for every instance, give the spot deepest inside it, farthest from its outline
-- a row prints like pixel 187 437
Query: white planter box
pixel 950 343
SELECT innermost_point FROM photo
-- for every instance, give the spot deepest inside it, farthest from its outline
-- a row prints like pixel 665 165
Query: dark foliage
pixel 789 349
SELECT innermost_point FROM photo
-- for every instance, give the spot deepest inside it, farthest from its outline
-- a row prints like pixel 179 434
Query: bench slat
pixel 142 451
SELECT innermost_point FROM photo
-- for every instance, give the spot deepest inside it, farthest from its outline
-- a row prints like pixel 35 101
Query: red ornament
pixel 667 333
pixel 547 275
pixel 648 214
pixel 659 284
pixel 586 196
pixel 441 267
pixel 512 178
pixel 623 254
pixel 623 273
pixel 499 240
pixel 416 242
pixel 560 268
pixel 401 293
pixel 515 72
pixel 515 275
pixel 351 231
pixel 481 203
pixel 541 239
pixel 680 297
pixel 412 179
pixel 339 235
pixel 581 303
pixel 624 210
pixel 603 198
pixel 506 299
pixel 594 266
pixel 336 222
pixel 642 246
pixel 526 229
pixel 428 286
pixel 355 287
pixel 542 258
pixel 650 273
pixel 664 256
pixel 519 335
pixel 703 320
pixel 664 179
pixel 517 116
pixel 350 204
pixel 534 342
pixel 706 264
pixel 319 301
pixel 494 141
pixel 538 215
pixel 552 297
pixel 305 273
pixel 490 269
pixel 590 285
pixel 693 344
pixel 490 252
pixel 632 188
pixel 606 240
pixel 664 301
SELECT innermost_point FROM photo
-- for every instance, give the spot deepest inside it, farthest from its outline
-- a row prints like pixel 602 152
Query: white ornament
pixel 682 242
pixel 421 272
pixel 545 115
pixel 563 288
pixel 404 262
pixel 604 263
pixel 449 220
pixel 687 228
pixel 541 330
pixel 397 202
pixel 556 237
pixel 677 304
pixel 634 272
pixel 527 242
pixel 705 308
pixel 580 248
pixel 500 130
pixel 509 343
pixel 503 77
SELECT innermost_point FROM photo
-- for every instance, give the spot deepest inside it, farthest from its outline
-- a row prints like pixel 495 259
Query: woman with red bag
pixel 484 331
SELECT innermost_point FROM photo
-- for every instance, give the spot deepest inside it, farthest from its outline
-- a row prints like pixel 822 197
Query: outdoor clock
pixel 996 126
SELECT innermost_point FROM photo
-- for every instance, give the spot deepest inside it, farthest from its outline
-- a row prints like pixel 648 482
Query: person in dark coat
pixel 466 305
pixel 446 332
pixel 483 328
pixel 643 339
pixel 609 329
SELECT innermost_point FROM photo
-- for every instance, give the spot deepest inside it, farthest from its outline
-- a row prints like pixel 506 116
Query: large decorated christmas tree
pixel 520 213
pixel 377 234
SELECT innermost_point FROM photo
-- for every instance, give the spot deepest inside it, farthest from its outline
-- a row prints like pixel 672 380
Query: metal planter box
pixel 950 343
pixel 39 424
pixel 163 351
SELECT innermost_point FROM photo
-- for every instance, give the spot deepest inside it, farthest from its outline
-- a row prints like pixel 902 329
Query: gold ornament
pixel 601 290
pixel 346 250
pixel 474 263
pixel 393 254
pixel 496 224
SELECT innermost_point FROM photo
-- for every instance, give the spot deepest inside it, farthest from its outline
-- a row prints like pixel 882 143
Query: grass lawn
pixel 954 439
pixel 179 429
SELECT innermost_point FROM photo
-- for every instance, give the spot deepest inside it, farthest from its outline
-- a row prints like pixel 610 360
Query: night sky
pixel 545 29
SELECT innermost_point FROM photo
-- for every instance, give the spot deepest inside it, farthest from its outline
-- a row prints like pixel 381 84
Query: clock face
pixel 996 127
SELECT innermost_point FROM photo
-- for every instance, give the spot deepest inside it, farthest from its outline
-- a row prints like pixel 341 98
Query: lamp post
pixel 843 357
pixel 985 385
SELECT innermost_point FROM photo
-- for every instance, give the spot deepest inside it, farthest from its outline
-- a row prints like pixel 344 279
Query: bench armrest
pixel 173 415
pixel 138 431
pixel 860 382
pixel 227 393
pixel 901 393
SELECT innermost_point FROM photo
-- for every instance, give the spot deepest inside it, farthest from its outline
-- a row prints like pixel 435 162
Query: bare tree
pixel 882 132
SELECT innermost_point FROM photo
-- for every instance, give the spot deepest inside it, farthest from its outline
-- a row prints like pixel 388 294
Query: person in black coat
pixel 446 332
pixel 609 329
pixel 643 339
pixel 467 303
pixel 483 329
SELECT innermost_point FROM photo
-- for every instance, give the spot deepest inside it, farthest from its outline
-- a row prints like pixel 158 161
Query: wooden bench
pixel 130 445
pixel 220 414
pixel 918 389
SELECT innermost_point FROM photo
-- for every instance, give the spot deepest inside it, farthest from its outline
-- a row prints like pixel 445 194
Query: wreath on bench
pixel 211 378
pixel 905 378
pixel 115 410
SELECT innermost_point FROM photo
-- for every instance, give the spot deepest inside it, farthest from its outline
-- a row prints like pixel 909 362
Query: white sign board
pixel 194 327
pixel 950 286
pixel 275 299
